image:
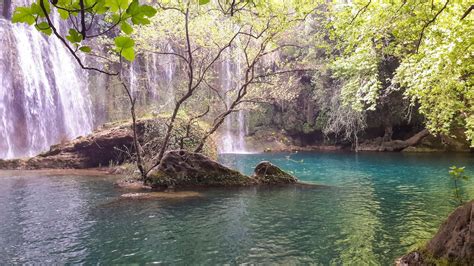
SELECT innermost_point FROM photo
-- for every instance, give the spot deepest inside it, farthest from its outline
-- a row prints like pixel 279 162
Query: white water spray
pixel 43 97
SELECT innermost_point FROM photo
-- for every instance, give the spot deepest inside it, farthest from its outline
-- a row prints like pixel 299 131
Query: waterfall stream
pixel 235 126
pixel 44 97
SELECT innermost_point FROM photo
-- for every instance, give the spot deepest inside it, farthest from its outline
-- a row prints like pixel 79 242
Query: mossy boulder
pixel 180 168
pixel 267 173
pixel 453 244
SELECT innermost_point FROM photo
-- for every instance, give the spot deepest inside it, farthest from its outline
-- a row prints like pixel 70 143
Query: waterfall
pixel 133 80
pixel 169 66
pixel 160 75
pixel 44 97
pixel 235 127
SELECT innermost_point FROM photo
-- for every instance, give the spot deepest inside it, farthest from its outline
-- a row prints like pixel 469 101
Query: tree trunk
pixel 398 145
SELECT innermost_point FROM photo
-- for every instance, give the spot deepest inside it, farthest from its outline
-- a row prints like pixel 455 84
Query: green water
pixel 373 208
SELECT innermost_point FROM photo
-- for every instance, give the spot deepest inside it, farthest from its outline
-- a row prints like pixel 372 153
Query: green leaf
pixel 100 8
pixel 140 13
pixel 124 46
pixel 63 13
pixel 74 36
pixel 147 10
pixel 128 53
pixel 36 8
pixel 126 28
pixel 115 18
pixel 44 27
pixel 123 42
pixel 24 15
pixel 116 5
pixel 203 2
pixel 85 49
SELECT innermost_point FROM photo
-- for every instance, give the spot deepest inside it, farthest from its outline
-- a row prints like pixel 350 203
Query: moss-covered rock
pixel 267 173
pixel 180 168
pixel 453 244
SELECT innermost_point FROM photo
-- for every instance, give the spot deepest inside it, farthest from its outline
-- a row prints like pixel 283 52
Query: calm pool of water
pixel 374 207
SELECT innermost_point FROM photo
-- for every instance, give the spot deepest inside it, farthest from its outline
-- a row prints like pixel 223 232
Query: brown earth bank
pixel 453 244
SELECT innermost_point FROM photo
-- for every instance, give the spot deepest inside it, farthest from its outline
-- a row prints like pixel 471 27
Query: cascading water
pixel 43 96
pixel 160 74
pixel 169 66
pixel 235 126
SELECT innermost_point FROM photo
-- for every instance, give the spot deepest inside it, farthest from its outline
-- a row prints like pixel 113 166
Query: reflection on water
pixel 375 208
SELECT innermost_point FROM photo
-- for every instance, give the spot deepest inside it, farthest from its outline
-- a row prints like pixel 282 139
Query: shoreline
pixel 59 172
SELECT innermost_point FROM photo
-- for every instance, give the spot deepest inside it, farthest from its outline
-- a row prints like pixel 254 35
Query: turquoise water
pixel 372 209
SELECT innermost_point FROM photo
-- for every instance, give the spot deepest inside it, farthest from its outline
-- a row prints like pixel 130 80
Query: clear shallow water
pixel 374 208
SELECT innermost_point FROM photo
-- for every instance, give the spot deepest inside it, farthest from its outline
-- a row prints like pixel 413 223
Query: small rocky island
pixel 180 168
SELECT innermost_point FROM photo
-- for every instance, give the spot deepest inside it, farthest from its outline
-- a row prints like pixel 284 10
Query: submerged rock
pixel 162 195
pixel 180 168
pixel 452 244
pixel 267 173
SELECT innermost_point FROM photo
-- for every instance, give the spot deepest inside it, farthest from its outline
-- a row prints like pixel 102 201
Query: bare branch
pixel 361 11
pixel 467 12
pixel 56 33
pixel 420 38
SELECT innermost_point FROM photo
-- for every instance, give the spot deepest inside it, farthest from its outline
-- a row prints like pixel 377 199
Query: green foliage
pixel 139 14
pixel 113 13
pixel 85 49
pixel 126 28
pixel 44 27
pixel 457 174
pixel 360 72
pixel 24 15
pixel 116 5
pixel 125 47
pixel 433 48
pixel 74 36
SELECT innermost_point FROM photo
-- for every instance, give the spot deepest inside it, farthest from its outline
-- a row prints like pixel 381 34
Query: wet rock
pixel 267 173
pixel 455 238
pixel 180 168
pixel 452 244
pixel 412 258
